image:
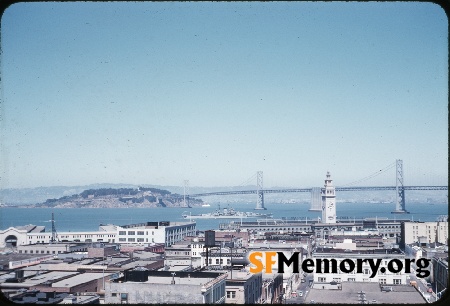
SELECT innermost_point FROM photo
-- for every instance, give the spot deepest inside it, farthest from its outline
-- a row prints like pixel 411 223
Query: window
pixel 351 279
pixel 140 240
pixel 382 281
pixel 122 239
pixel 122 232
pixel 131 240
pixel 131 232
pixel 113 294
pixel 322 280
pixel 231 294
pixel 397 281
pixel 140 232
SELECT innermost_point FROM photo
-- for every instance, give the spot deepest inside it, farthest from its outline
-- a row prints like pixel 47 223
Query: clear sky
pixel 159 93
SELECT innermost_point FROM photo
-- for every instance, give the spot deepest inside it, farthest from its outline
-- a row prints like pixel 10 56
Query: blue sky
pixel 158 93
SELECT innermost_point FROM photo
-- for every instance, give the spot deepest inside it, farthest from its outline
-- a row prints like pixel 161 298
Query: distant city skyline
pixel 161 92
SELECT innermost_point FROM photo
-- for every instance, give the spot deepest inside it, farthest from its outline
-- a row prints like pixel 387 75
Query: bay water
pixel 89 219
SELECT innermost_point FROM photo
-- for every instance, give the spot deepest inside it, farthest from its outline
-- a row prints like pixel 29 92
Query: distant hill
pixel 119 198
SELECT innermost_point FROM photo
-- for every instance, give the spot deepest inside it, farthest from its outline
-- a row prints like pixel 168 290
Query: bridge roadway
pixel 288 190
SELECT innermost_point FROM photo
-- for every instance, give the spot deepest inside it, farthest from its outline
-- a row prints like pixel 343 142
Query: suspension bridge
pixel 316 192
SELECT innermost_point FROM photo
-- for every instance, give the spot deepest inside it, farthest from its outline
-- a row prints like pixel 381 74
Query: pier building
pixel 388 228
pixel 144 234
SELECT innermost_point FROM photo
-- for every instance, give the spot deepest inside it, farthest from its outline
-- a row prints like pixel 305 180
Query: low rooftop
pixel 155 225
pixel 79 279
pixel 357 292
pixel 30 228
pixel 334 251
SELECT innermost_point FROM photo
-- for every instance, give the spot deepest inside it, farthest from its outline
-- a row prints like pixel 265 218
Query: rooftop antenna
pixel 54 234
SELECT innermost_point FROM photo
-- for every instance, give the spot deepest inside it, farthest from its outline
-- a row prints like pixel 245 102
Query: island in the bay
pixel 120 197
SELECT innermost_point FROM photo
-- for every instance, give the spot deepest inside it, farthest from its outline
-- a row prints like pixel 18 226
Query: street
pixel 304 287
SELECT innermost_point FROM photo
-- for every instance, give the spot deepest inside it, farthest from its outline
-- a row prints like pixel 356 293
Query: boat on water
pixel 227 213
pixel 206 205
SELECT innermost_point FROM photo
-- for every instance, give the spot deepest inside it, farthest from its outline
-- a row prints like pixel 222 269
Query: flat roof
pixel 48 245
pixel 154 225
pixel 138 263
pixel 167 280
pixel 351 294
pixel 239 275
pixel 373 252
pixel 145 254
pixel 43 277
pixel 79 279
pixel 5 259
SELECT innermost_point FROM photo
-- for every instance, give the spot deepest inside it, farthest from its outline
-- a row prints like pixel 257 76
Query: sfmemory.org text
pixel 320 265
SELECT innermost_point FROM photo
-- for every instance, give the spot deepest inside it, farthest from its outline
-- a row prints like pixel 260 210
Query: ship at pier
pixel 227 213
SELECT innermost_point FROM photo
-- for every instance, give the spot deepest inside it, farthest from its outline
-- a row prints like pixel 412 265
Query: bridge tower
pixel 328 201
pixel 400 190
pixel 186 196
pixel 316 199
pixel 259 191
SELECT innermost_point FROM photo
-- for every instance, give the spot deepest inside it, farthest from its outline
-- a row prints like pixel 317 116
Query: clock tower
pixel 328 201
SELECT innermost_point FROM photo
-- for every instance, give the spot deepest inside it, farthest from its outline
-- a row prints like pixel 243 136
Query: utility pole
pixel 54 234
pixel 231 258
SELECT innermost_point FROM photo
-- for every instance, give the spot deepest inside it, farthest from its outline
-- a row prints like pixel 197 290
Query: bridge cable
pixel 389 167
pixel 248 181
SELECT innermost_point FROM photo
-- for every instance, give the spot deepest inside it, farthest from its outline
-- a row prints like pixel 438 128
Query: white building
pixel 155 232
pixel 328 201
pixel 429 232
pixel 164 287
pixel 143 234
pixel 243 287
pixel 323 279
